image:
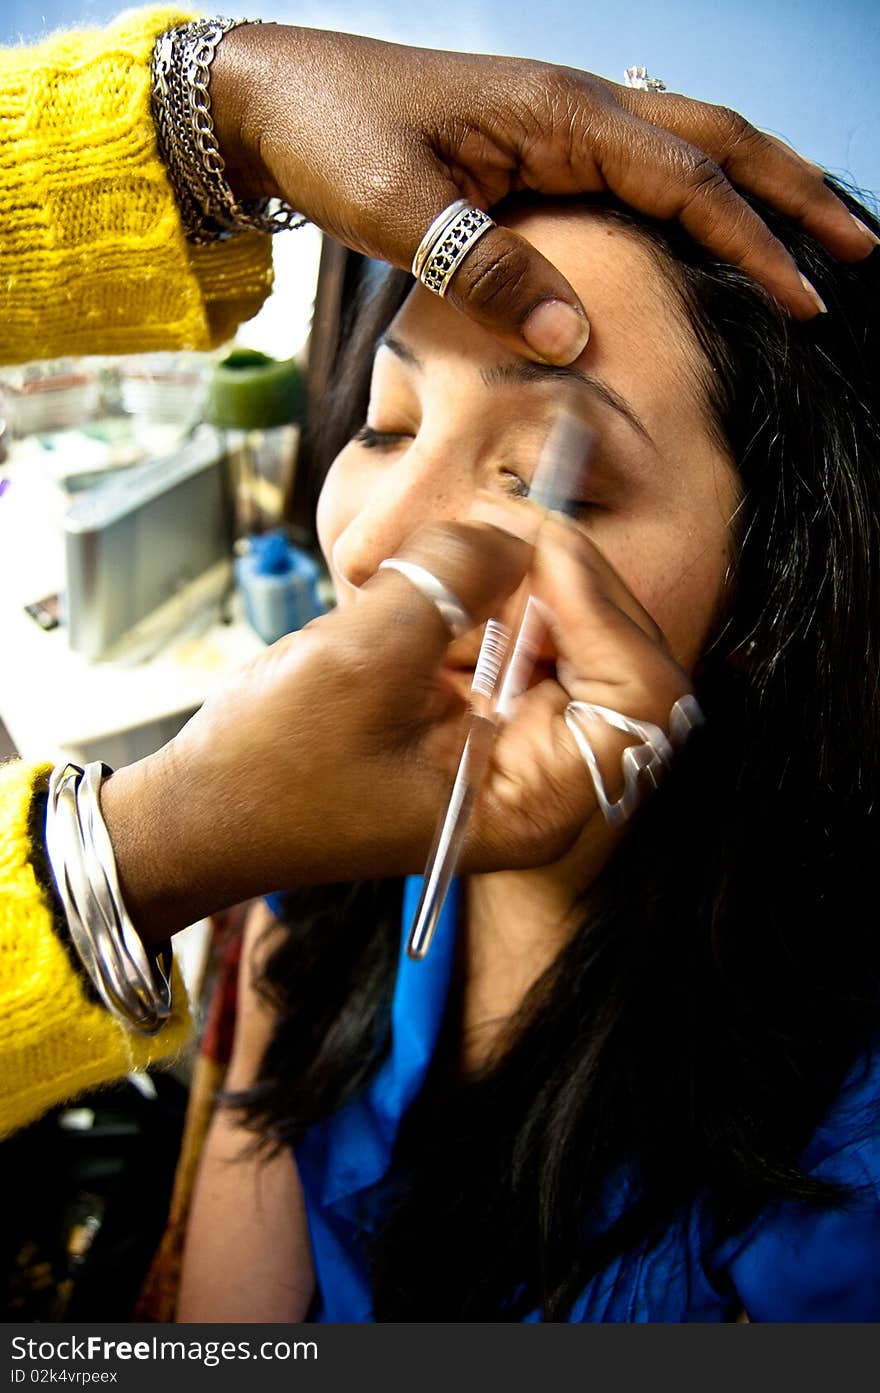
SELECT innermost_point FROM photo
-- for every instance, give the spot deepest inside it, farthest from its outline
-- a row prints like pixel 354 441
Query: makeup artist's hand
pixel 538 803
pixel 325 759
pixel 371 140
pixel 329 757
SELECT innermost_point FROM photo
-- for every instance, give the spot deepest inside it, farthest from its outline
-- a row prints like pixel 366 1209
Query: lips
pixel 460 675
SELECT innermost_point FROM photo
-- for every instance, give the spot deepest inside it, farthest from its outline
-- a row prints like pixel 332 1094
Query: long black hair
pixel 696 1028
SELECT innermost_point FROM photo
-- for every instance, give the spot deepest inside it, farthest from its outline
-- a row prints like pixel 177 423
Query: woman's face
pixel 453 417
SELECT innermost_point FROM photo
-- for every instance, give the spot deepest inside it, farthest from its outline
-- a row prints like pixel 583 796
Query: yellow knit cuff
pixel 92 253
pixel 54 1042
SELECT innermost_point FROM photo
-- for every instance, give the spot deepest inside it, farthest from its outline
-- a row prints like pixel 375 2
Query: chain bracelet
pixel 174 138
pixel 188 145
pixel 167 117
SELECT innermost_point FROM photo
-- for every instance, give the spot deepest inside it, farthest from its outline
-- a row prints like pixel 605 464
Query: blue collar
pixel 351 1150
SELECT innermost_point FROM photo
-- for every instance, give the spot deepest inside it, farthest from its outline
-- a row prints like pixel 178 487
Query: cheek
pixel 674 552
pixel 677 575
pixel 687 609
pixel 684 592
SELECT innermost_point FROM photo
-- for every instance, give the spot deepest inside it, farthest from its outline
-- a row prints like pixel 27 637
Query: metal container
pixel 137 541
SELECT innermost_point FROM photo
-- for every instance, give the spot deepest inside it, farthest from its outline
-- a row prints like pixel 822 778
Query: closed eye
pixel 513 484
pixel 377 439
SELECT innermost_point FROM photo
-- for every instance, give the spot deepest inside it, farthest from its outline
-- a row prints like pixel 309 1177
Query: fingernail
pixel 814 295
pixel 866 231
pixel 556 331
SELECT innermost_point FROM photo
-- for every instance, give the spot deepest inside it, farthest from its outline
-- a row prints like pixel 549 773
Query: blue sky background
pixel 808 70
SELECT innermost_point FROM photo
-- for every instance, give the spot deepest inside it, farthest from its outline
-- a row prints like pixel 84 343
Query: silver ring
pixel 437 228
pixel 447 242
pixel 638 77
pixel 447 605
pixel 684 717
pixel 642 764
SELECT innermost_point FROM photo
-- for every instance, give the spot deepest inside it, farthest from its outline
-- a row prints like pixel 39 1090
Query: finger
pixel 667 177
pixel 796 188
pixel 761 164
pixel 608 644
pixel 765 166
pixel 561 547
pixel 569 570
pixel 787 149
pixel 478 563
pixel 508 287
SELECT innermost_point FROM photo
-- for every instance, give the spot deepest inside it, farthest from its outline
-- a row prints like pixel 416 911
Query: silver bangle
pixel 181 101
pixel 134 990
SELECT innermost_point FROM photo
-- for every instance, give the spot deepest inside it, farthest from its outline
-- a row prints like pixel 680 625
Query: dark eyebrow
pixel 399 350
pixel 523 370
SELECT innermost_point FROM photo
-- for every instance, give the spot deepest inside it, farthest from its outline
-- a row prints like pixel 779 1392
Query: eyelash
pixel 378 439
pixel 515 486
pixel 518 488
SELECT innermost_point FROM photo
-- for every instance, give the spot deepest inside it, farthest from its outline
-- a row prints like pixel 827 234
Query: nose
pixel 422 486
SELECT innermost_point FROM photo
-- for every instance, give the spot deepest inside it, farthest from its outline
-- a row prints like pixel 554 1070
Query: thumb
pixel 508 287
pixel 478 563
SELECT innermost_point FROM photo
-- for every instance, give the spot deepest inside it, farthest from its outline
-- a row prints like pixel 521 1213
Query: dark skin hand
pixel 372 140
pixel 325 758
pixel 343 778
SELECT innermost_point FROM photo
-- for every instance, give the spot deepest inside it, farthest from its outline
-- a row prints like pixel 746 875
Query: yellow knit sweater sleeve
pixel 92 254
pixel 54 1041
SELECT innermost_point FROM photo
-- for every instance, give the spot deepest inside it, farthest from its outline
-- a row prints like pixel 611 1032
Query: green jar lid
pixel 251 391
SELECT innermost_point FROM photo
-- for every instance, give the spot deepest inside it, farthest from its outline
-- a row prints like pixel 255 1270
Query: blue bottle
pixel 279 583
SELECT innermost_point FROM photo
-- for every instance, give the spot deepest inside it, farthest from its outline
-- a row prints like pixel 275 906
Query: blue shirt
pixel 793 1264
